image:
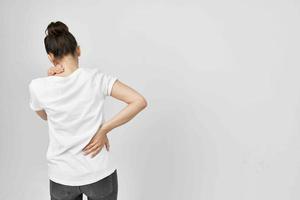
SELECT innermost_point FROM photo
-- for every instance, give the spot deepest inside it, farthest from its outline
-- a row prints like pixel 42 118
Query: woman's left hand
pixel 97 143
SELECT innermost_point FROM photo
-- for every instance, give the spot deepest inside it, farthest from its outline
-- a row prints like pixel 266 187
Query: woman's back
pixel 74 107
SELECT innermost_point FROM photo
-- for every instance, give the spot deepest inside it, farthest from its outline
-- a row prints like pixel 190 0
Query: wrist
pixel 105 128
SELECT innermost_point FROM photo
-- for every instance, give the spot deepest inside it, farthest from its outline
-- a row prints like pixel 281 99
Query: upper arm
pixel 125 93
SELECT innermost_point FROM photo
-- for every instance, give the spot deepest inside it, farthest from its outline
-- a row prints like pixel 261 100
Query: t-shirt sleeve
pixel 106 82
pixel 33 101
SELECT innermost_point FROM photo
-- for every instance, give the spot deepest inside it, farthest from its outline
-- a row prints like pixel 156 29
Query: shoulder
pixel 94 72
pixel 37 83
pixel 91 70
pixel 34 82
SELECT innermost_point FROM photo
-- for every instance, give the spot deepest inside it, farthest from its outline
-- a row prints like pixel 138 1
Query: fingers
pixel 50 72
pixel 55 70
pixel 107 145
pixel 58 68
pixel 95 144
pixel 93 147
pixel 94 150
pixel 89 145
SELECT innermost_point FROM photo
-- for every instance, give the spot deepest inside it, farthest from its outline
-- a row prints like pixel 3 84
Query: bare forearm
pixel 125 115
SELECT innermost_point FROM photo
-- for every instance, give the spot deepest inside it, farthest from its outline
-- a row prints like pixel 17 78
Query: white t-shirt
pixel 74 107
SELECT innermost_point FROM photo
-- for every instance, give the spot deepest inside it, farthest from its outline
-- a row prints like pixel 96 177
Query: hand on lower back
pixel 97 143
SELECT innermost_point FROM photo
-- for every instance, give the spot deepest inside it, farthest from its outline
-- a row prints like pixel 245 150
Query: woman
pixel 71 100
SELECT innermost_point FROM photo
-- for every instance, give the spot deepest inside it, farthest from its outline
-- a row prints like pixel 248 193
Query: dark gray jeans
pixel 104 189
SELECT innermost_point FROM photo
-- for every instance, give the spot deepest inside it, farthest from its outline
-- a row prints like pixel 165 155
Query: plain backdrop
pixel 222 83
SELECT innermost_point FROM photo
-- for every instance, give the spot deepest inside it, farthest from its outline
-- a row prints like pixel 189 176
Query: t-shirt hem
pixel 93 177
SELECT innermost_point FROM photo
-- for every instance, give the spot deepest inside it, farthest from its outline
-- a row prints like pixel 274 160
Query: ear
pixel 78 51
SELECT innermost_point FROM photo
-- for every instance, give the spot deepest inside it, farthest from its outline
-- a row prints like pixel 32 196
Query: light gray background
pixel 222 83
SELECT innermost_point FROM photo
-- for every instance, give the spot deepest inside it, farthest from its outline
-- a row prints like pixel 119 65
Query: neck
pixel 69 64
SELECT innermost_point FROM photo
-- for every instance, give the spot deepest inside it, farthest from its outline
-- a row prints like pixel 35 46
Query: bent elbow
pixel 143 103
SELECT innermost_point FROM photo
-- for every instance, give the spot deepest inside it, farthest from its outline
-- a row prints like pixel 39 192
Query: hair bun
pixel 57 28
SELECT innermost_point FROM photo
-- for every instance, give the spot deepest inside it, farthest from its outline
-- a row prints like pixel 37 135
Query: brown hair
pixel 59 40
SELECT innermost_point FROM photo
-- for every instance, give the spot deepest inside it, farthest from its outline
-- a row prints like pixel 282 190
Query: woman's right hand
pixel 57 69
